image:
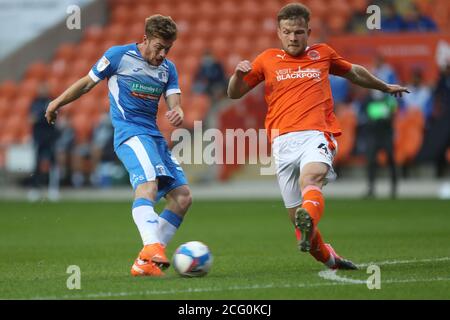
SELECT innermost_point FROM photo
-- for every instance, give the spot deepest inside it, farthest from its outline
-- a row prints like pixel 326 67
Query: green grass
pixel 254 248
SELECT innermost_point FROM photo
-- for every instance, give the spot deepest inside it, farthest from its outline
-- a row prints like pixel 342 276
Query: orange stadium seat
pixel 8 89
pixel 249 27
pixel 359 5
pixel 340 8
pixel 251 8
pixel 204 29
pixel 80 67
pixel 196 108
pixel 21 105
pixel 5 105
pixel 226 28
pixel 88 51
pixel 318 8
pixel 197 47
pixel 83 126
pixel 121 15
pixel 58 68
pixel 188 65
pixel 185 81
pixel 243 46
pixel 37 70
pixel 346 141
pixel 220 47
pixel 11 130
pixel 166 9
pixel 187 11
pixel 409 130
pixel 336 24
pixel 65 51
pixel 115 33
pixel 28 87
pixel 208 9
pixel 93 33
pixel 229 9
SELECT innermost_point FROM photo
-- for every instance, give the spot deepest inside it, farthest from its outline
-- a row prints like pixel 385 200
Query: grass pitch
pixel 254 248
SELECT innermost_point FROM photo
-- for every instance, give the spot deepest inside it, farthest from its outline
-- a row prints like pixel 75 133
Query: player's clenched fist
pixel 243 68
pixel 175 117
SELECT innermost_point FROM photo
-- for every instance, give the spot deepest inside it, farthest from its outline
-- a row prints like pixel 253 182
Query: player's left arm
pixel 362 77
pixel 175 115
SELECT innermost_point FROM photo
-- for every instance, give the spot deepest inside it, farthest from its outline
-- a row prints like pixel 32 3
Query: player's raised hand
pixel 396 90
pixel 51 113
pixel 175 117
pixel 243 68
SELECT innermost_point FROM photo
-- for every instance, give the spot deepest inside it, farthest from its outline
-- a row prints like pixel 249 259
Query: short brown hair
pixel 294 11
pixel 159 26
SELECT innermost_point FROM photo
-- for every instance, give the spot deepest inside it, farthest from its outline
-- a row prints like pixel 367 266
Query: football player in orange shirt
pixel 300 120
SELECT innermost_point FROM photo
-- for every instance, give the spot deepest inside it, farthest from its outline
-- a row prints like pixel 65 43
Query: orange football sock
pixel 313 202
pixel 318 249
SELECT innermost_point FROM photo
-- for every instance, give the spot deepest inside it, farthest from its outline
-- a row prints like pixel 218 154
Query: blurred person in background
pixel 437 137
pixel 210 78
pixel 415 21
pixel 44 138
pixel 380 109
pixel 420 96
pixel 102 152
pixel 391 20
pixel 63 150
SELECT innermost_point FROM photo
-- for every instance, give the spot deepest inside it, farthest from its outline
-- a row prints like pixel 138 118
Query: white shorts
pixel 292 151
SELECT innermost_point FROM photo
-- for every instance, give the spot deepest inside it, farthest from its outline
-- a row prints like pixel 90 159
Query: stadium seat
pixel 88 51
pixel 220 47
pixel 83 126
pixel 229 9
pixel 226 28
pixel 336 24
pixel 37 71
pixel 208 9
pixel 21 106
pixel 5 105
pixel 65 51
pixel 28 87
pixel 346 141
pixel 409 130
pixel 242 46
pixel 204 29
pixel 8 89
pixel 120 14
pixel 196 109
pixel 249 27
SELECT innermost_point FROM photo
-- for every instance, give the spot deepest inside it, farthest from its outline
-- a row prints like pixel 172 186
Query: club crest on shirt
pixel 314 55
pixel 163 76
pixel 161 171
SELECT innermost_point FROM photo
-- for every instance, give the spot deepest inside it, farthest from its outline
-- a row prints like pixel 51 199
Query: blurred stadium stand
pixel 233 30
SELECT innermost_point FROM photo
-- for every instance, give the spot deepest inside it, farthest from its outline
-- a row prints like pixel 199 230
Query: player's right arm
pixel 237 86
pixel 76 90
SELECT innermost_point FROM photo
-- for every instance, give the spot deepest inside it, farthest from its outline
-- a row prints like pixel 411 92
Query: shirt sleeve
pixel 256 75
pixel 338 65
pixel 172 86
pixel 107 65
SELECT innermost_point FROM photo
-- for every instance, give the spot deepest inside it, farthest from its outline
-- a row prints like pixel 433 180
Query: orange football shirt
pixel 297 89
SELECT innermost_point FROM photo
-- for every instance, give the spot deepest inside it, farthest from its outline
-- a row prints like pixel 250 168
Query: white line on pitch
pixel 326 273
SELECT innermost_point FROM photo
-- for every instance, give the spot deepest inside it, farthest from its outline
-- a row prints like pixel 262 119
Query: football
pixel 192 259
